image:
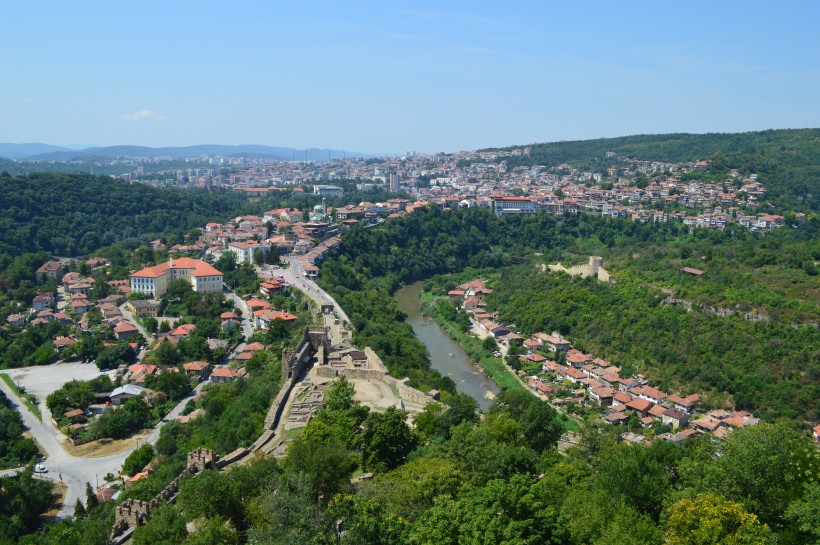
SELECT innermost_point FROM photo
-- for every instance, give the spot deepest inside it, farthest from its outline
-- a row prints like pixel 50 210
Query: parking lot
pixel 44 379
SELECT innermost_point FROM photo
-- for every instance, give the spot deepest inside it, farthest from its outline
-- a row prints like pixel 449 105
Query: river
pixel 446 355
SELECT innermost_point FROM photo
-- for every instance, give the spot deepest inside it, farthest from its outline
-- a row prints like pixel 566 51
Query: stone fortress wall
pixel 595 268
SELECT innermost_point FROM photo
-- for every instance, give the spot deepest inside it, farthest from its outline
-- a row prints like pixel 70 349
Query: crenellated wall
pixel 132 513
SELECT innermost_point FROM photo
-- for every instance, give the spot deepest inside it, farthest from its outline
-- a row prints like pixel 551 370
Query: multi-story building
pixel 514 205
pixel 154 281
pixel 328 191
pixel 245 252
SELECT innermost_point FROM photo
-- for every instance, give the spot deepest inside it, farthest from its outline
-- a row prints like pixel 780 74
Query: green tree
pixel 710 519
pixel 804 513
pixel 166 354
pixel 210 493
pixel 150 324
pixel 386 441
pixel 460 408
pixel 91 500
pixel 174 384
pixel 411 489
pixel 214 531
pixel 137 460
pixel 326 464
pixel 288 513
pixel 498 512
pixel 489 344
pixel 164 528
pixel 79 510
pixel 540 426
pixel 764 468
pixel 362 521
pixel 75 394
pixel 114 356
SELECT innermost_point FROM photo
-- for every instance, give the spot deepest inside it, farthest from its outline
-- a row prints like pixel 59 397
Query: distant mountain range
pixel 46 152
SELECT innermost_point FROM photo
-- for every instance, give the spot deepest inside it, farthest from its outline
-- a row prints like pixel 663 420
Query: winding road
pixel 294 275
pixel 76 471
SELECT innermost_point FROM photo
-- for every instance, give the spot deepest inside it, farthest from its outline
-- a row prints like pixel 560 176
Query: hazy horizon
pixel 375 78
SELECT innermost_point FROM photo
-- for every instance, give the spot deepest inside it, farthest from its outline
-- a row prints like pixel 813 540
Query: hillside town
pixel 638 190
pixel 583 380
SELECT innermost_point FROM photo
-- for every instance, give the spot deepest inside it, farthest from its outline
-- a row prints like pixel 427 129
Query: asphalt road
pixel 296 278
pixel 130 317
pixel 247 317
pixel 76 471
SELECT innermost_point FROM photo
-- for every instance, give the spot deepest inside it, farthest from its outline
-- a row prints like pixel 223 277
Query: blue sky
pixel 391 77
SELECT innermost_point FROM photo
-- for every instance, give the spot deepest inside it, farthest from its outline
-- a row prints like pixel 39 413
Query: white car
pixel 40 468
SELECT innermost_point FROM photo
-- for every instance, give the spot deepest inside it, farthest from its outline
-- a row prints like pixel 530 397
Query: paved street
pixel 247 317
pixel 296 278
pixel 130 317
pixel 76 471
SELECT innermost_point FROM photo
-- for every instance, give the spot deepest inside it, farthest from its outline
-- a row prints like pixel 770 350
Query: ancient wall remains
pixel 595 268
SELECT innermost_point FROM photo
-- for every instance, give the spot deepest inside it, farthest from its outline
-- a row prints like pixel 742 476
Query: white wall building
pixel 154 281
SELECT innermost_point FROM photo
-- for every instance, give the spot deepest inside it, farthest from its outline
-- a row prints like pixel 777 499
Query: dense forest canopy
pixel 75 214
pixel 770 369
pixel 787 160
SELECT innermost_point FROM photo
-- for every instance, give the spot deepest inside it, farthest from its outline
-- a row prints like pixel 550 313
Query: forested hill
pixel 787 160
pixel 75 214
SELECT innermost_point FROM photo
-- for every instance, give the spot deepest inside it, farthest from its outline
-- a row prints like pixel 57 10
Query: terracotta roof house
pixel 226 374
pixel 640 406
pixel 126 330
pixel 553 344
pixel 258 303
pixel 154 281
pixel 602 396
pixel 576 358
pixel 707 424
pixel 198 369
pixel 656 412
pixel 683 435
pixel 693 272
pixel 49 269
pixel 616 418
pixel 62 342
pixel 16 320
pixel 651 394
pixel 685 404
pixel 675 418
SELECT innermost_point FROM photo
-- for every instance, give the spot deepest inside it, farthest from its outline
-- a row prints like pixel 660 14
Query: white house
pixel 154 281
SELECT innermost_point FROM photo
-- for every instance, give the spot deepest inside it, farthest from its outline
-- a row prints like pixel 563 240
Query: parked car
pixel 40 468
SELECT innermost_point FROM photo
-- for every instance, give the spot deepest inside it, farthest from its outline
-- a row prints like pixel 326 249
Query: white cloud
pixel 139 115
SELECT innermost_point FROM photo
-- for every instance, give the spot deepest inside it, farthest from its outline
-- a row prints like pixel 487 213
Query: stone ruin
pixel 315 343
pixel 132 513
pixel 201 459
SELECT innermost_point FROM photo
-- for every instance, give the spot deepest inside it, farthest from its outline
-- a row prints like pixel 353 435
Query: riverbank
pixel 446 355
pixel 493 367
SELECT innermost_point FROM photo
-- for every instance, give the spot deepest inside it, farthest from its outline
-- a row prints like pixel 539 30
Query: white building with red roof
pixel 154 281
